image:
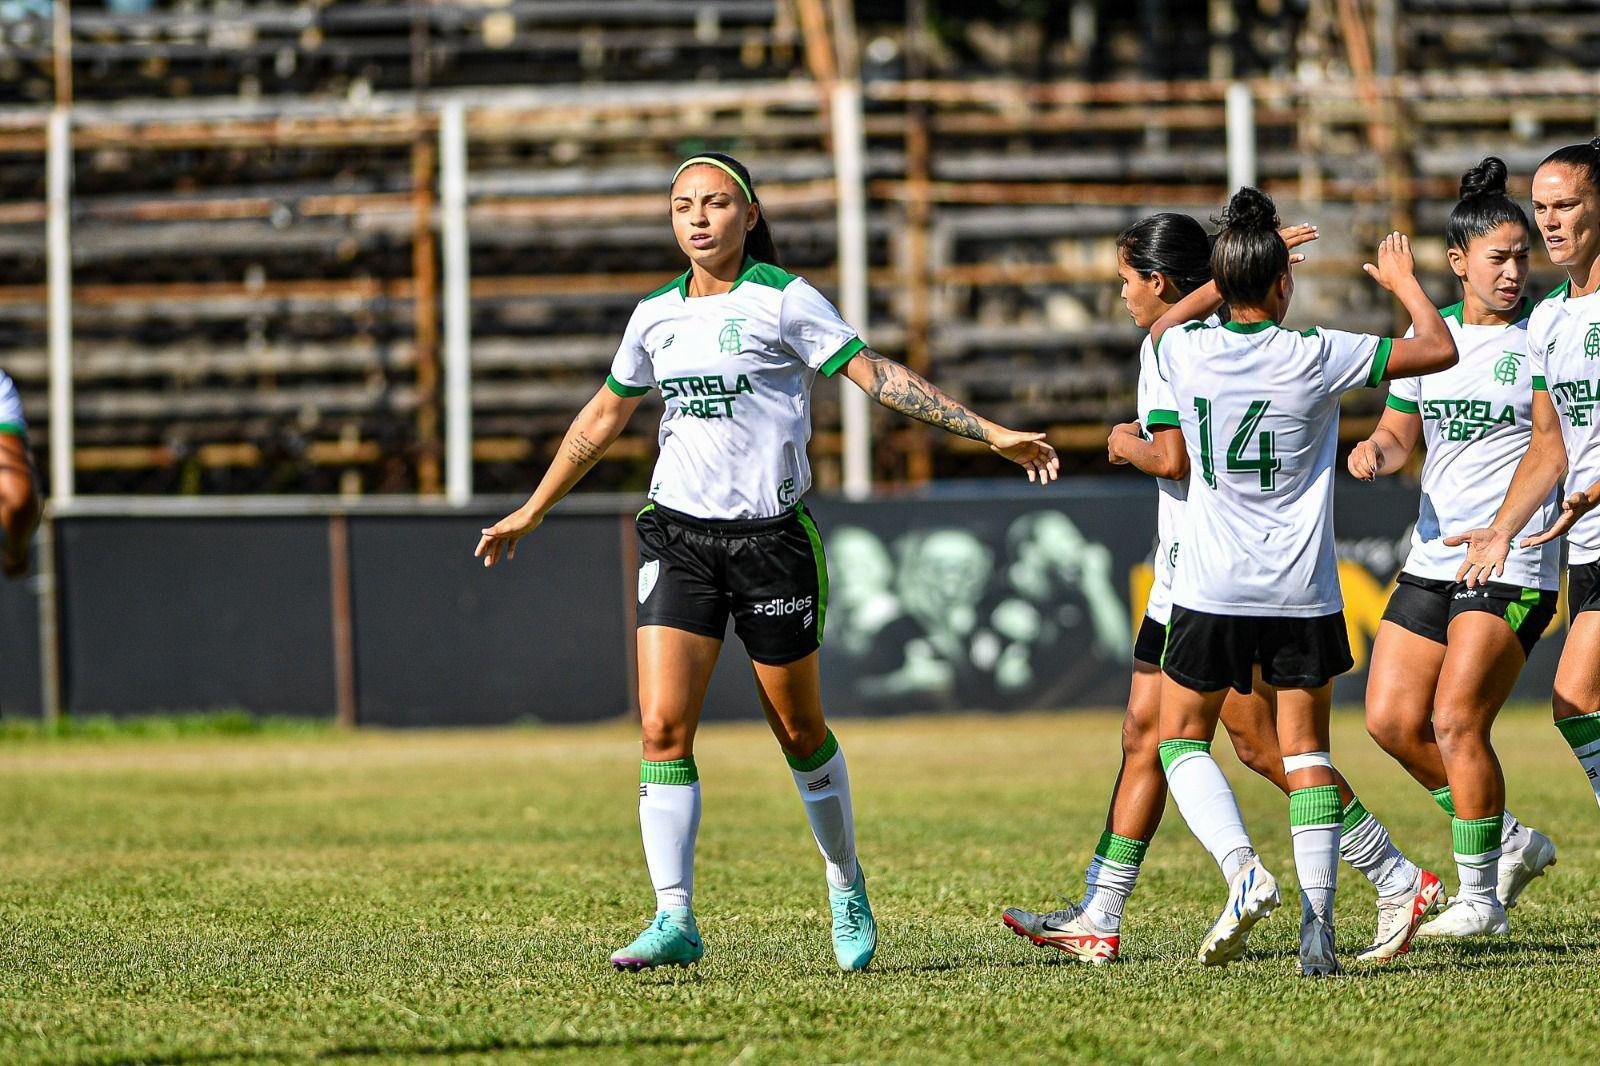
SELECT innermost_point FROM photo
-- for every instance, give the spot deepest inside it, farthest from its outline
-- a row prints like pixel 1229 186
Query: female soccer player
pixel 1258 583
pixel 1563 346
pixel 1447 656
pixel 1161 259
pixel 734 344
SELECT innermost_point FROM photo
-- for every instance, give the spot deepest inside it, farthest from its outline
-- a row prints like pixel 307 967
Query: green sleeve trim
pixel 830 748
pixel 625 390
pixel 1402 405
pixel 1380 363
pixel 838 359
pixel 1539 385
pixel 16 429
pixel 669 772
pixel 1162 418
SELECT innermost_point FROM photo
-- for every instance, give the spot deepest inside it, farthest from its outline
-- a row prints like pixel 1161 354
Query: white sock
pixel 1314 821
pixel 1582 734
pixel 1365 844
pixel 1514 836
pixel 1205 801
pixel 669 820
pixel 824 784
pixel 1111 878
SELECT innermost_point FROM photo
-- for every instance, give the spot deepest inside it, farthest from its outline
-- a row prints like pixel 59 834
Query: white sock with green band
pixel 824 784
pixel 1514 835
pixel 1206 802
pixel 1477 843
pixel 1315 822
pixel 1582 734
pixel 1111 878
pixel 669 820
pixel 1364 843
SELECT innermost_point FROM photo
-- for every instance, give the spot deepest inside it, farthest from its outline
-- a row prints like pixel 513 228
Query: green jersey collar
pixel 1249 327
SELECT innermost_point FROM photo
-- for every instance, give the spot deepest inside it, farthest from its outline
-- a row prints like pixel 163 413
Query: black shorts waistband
pixel 727 527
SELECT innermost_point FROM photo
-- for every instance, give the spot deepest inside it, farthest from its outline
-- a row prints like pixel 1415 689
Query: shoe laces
pixel 849 915
pixel 1071 912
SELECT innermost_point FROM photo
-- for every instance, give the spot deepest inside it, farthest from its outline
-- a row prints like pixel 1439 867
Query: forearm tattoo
pixel 901 389
pixel 582 451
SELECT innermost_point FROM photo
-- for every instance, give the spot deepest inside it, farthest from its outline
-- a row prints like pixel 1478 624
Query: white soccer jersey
pixel 1158 408
pixel 11 420
pixel 1476 423
pixel 1259 406
pixel 736 371
pixel 1564 350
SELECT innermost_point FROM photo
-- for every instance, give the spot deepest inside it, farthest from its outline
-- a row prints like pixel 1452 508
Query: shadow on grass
pixel 425 1049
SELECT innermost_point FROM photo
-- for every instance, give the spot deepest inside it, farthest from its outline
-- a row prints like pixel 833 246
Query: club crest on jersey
pixel 1507 369
pixel 647 578
pixel 1591 341
pixel 731 339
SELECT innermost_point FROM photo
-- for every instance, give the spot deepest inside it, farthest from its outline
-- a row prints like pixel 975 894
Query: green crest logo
pixel 1591 341
pixel 730 339
pixel 1507 369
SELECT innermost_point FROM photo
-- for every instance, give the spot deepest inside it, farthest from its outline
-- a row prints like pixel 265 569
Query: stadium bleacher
pixel 255 241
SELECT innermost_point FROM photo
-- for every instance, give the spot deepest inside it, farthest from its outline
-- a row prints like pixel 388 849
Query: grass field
pixel 431 896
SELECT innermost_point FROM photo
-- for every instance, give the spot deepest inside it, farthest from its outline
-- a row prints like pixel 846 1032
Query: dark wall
pixel 975 598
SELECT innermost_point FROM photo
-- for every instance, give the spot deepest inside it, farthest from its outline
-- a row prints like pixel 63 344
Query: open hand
pixel 1029 451
pixel 1487 549
pixel 1395 262
pixel 1574 507
pixel 1298 234
pixel 1366 461
pixel 499 541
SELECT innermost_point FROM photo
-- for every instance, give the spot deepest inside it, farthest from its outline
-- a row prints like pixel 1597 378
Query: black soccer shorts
pixel 1427 606
pixel 768 573
pixel 1208 652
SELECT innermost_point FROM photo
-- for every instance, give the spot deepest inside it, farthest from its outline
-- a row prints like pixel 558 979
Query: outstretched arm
pixel 899 388
pixel 1539 471
pixel 1430 348
pixel 594 430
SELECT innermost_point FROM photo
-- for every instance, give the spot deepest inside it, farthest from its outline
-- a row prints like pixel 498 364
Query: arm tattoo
pixel 583 451
pixel 901 389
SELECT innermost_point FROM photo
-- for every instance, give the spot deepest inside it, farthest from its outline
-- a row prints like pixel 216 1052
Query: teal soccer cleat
pixel 855 933
pixel 670 940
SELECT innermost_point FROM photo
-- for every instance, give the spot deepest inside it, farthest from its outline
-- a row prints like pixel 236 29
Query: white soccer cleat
pixel 1519 867
pixel 1400 916
pixel 1317 956
pixel 1252 895
pixel 1068 930
pixel 1468 917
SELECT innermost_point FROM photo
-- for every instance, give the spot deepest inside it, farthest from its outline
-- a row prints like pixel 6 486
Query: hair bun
pixel 1250 209
pixel 1488 178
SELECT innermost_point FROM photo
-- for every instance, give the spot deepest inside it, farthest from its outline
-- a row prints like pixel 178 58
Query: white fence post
pixel 457 303
pixel 58 243
pixel 850 180
pixel 1240 111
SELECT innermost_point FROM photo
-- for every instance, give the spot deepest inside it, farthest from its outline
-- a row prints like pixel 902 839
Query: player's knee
pixel 1139 738
pixel 1459 731
pixel 666 735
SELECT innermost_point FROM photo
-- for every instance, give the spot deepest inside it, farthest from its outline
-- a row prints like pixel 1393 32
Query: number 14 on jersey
pixel 1266 463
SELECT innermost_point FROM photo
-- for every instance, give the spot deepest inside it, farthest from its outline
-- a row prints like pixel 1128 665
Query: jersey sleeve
pixel 1538 329
pixel 1158 404
pixel 1351 360
pixel 11 420
pixel 632 373
pixel 811 328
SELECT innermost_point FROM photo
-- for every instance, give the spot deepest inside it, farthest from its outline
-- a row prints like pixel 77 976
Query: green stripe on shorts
pixel 813 535
pixel 1517 613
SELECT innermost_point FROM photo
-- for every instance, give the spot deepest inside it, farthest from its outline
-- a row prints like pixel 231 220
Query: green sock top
pixel 1317 805
pixel 1580 731
pixel 1476 836
pixel 1173 750
pixel 1354 814
pixel 830 748
pixel 669 771
pixel 1446 802
pixel 1122 850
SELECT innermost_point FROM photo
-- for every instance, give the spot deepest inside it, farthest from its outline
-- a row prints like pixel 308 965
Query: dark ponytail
pixel 1582 157
pixel 1484 205
pixel 758 242
pixel 1172 245
pixel 1249 257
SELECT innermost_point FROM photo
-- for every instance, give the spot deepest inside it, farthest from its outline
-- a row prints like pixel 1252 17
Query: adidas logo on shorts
pixel 778 607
